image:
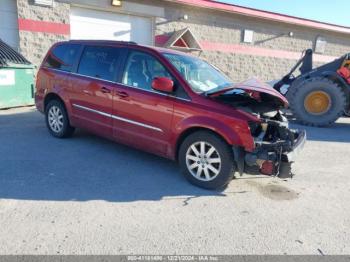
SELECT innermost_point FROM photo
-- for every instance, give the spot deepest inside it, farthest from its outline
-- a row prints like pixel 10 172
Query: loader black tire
pixel 298 94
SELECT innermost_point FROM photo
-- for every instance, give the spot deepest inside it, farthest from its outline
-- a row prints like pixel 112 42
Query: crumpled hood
pixel 255 88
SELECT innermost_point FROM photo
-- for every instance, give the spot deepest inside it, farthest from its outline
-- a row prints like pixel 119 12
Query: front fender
pixel 335 77
pixel 234 132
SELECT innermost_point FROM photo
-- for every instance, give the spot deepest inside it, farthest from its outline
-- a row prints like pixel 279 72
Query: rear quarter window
pixel 63 57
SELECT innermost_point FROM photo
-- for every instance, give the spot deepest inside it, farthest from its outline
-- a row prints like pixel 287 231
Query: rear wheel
pixel 57 120
pixel 206 160
pixel 317 101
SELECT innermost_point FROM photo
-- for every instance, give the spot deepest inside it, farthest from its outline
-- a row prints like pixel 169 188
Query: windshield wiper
pixel 216 89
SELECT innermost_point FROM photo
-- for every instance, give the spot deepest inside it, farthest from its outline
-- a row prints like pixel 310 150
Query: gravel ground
pixel 87 195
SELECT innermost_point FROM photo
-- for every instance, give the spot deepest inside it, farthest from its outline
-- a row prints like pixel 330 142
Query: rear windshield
pixel 63 57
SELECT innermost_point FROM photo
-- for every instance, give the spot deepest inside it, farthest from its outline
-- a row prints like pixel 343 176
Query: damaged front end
pixel 276 145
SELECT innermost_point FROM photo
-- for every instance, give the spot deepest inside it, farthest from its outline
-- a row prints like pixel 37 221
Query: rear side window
pixel 63 57
pixel 99 62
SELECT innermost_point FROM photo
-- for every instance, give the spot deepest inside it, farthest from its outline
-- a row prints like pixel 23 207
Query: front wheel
pixel 206 160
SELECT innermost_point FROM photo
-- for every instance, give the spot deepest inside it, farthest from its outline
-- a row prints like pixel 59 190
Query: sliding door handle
pixel 105 90
pixel 122 94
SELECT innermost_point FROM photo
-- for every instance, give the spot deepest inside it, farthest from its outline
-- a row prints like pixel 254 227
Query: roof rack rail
pixel 110 41
pixel 128 42
pixel 9 55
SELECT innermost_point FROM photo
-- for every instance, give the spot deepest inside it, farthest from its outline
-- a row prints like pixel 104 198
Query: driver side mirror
pixel 163 84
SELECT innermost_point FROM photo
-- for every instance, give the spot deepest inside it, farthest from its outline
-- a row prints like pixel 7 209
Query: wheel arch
pixel 52 96
pixel 193 129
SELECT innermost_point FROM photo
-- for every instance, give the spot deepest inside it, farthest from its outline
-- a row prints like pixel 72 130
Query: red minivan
pixel 168 103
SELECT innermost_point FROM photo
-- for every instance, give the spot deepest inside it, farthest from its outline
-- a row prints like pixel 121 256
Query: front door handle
pixel 105 90
pixel 122 94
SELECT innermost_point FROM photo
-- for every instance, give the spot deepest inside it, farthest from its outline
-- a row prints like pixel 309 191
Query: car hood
pixel 256 89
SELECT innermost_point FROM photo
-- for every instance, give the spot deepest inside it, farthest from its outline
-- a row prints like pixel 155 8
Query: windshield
pixel 201 76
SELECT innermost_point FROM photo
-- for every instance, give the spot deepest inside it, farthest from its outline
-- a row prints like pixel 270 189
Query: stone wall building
pixel 242 42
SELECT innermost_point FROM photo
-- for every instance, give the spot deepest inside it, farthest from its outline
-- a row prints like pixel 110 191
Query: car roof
pixel 101 42
pixel 129 43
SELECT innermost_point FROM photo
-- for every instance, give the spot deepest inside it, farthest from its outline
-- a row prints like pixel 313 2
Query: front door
pixel 142 116
pixel 92 88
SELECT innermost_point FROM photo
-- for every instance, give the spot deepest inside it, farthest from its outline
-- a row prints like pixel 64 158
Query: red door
pixel 141 116
pixel 91 89
pixel 91 102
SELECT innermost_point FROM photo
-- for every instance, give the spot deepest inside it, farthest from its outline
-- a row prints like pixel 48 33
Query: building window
pixel 320 45
pixel 44 2
pixel 248 36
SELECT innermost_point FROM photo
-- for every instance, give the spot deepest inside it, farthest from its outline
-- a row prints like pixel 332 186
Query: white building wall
pixel 9 22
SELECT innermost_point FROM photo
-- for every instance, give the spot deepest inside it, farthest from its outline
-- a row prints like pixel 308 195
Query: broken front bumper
pixel 273 159
pixel 297 147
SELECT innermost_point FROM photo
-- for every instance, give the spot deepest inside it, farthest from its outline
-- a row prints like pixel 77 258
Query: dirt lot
pixel 87 195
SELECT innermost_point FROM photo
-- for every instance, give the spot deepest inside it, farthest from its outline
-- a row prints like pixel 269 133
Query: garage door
pixel 8 22
pixel 93 24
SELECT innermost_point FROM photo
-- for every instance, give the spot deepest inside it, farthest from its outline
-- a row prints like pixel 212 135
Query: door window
pixel 141 69
pixel 99 62
pixel 63 57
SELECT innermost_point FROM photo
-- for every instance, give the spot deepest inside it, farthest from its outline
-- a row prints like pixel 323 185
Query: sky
pixel 329 11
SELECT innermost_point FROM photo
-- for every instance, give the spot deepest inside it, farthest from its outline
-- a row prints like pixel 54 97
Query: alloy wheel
pixel 55 117
pixel 203 161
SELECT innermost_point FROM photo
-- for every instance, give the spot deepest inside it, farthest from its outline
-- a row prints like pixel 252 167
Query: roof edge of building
pixel 247 11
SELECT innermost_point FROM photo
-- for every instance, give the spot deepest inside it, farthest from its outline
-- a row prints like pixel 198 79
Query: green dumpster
pixel 16 78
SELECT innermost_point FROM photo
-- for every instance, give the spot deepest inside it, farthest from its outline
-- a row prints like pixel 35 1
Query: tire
pixel 207 179
pixel 299 95
pixel 57 120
